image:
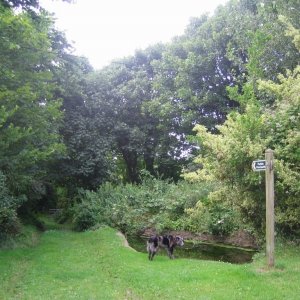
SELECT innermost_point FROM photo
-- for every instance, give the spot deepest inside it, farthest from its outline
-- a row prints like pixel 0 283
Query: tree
pixel 27 5
pixel 86 161
pixel 9 222
pixel 284 124
pixel 117 94
pixel 30 114
pixel 227 156
pixel 259 37
pixel 24 4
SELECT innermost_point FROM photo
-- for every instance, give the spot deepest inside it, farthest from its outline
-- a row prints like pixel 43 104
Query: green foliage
pixel 31 115
pixel 117 96
pixel 9 221
pixel 284 124
pixel 24 4
pixel 214 214
pixel 28 236
pixel 261 39
pixel 88 162
pixel 291 31
pixel 90 209
pixel 132 208
pixel 227 156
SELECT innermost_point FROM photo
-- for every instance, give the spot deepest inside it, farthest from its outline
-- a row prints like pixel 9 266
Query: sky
pixel 104 30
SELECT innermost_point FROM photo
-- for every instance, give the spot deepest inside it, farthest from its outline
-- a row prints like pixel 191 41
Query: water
pixel 200 250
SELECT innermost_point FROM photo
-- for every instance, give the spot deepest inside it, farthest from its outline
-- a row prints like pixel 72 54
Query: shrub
pixel 88 211
pixel 9 222
pixel 131 208
pixel 215 214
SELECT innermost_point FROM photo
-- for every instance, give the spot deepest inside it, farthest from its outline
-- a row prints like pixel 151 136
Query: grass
pixel 97 265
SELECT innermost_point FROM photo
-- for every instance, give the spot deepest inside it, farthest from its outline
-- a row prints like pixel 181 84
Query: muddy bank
pixel 239 238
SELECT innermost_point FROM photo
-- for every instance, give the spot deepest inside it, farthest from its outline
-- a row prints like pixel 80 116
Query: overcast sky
pixel 103 30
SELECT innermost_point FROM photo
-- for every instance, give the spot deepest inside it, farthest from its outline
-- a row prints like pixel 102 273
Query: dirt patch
pixel 239 238
pixel 125 242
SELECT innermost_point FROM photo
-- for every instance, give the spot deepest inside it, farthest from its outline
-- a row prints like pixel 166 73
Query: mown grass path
pixel 97 265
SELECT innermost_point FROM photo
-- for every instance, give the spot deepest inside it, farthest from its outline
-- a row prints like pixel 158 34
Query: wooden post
pixel 270 207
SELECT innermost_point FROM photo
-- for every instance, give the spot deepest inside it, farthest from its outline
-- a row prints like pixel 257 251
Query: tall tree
pixel 88 162
pixel 30 113
pixel 118 94
pixel 240 41
pixel 227 157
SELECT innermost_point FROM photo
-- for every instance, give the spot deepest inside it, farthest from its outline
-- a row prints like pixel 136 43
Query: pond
pixel 201 250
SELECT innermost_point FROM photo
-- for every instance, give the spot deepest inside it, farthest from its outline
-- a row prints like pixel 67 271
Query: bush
pixel 131 208
pixel 88 211
pixel 215 214
pixel 9 222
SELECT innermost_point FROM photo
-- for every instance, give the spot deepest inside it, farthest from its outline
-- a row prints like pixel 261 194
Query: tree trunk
pixel 131 160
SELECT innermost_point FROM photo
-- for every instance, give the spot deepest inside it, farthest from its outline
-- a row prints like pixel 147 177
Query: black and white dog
pixel 169 242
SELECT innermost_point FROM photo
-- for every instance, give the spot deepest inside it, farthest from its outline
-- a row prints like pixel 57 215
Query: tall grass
pixel 97 265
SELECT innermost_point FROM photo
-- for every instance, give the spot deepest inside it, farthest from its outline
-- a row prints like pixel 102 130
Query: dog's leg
pixel 151 250
pixel 170 252
pixel 152 255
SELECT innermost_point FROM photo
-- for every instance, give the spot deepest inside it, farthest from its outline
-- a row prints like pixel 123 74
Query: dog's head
pixel 179 240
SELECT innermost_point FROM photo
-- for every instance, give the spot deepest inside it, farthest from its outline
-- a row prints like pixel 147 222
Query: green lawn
pixel 97 265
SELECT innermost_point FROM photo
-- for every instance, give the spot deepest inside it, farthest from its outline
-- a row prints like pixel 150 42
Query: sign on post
pixel 259 165
pixel 267 165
